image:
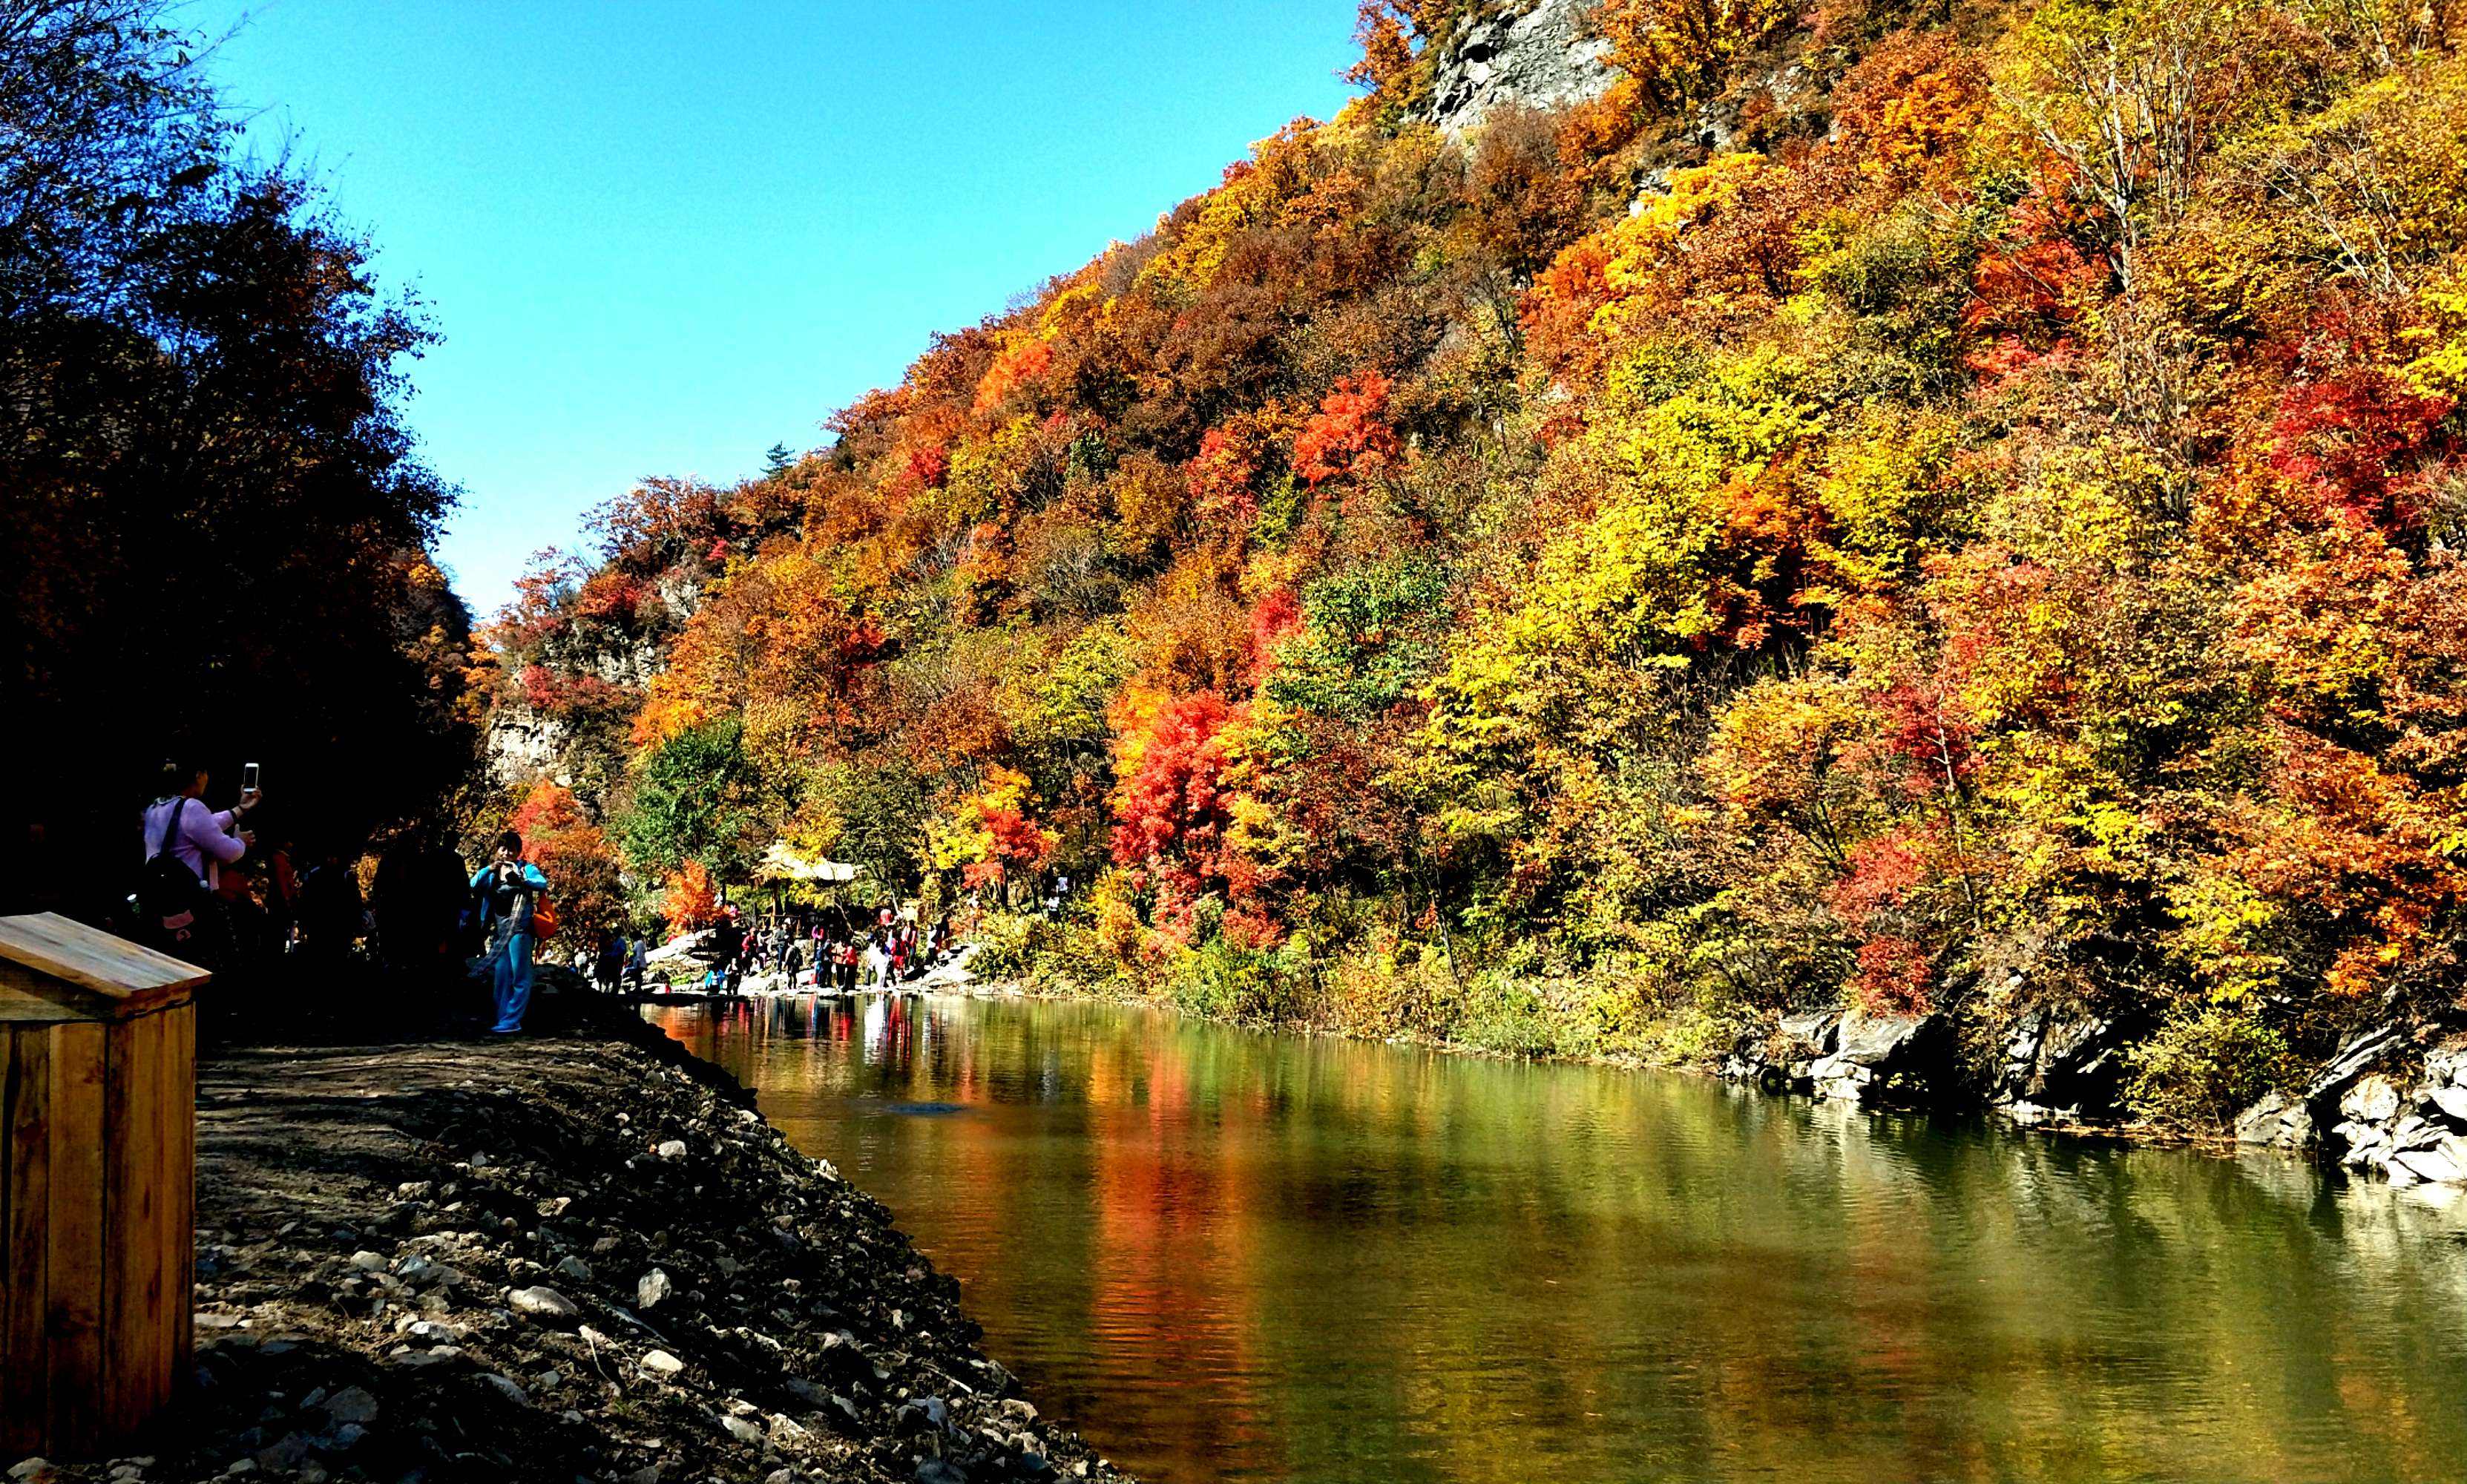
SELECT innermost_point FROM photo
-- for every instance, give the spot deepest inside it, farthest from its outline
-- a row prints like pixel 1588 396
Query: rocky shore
pixel 2389 1101
pixel 576 1256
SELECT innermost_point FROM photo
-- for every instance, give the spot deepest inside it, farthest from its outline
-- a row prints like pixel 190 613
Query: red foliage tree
pixel 690 900
pixel 575 855
pixel 1219 477
pixel 2363 439
pixel 1349 435
pixel 1275 619
pixel 1171 814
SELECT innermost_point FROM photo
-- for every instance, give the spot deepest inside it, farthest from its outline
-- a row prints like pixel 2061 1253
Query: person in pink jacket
pixel 202 838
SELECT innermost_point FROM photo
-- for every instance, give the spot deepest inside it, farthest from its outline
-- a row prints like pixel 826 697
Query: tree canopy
pixel 218 523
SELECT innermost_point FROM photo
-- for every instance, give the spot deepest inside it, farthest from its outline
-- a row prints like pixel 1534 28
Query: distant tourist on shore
pixel 610 968
pixel 333 915
pixel 728 953
pixel 508 890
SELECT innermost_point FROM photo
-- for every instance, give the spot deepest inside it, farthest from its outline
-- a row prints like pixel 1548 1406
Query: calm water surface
pixel 1228 1255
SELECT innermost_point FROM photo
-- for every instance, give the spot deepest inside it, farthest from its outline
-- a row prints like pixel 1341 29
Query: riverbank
pixel 579 1255
pixel 2389 1101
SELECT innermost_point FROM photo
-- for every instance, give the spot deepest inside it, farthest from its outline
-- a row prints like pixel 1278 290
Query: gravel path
pixel 581 1256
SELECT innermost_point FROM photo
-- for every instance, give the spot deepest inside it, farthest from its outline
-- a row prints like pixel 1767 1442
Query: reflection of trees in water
pixel 1331 1258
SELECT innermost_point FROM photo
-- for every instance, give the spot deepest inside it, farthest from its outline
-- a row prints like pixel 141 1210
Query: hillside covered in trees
pixel 1936 508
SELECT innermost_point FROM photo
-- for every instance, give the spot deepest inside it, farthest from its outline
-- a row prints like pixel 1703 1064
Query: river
pixel 1225 1254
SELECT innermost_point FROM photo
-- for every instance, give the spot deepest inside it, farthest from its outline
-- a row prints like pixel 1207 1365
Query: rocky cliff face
pixel 521 745
pixel 1538 53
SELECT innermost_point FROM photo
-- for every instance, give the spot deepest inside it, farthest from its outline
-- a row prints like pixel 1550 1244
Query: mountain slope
pixel 1946 511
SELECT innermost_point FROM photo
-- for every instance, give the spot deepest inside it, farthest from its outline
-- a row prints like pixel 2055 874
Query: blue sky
pixel 661 238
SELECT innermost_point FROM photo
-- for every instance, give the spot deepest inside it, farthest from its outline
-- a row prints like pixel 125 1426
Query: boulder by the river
pixel 1779 1059
pixel 1880 1058
pixel 700 946
pixel 2411 1129
pixel 952 971
pixel 2355 1055
pixel 2070 1066
pixel 2329 1104
pixel 2276 1121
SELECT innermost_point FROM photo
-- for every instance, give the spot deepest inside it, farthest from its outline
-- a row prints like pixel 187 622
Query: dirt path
pixel 572 1257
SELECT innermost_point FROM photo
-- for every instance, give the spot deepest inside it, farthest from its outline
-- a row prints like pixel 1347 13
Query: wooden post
pixel 97 1184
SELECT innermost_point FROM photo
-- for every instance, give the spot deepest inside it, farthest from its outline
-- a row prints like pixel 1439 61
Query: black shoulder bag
pixel 167 891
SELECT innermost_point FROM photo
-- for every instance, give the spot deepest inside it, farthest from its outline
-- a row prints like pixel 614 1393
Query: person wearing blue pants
pixel 508 889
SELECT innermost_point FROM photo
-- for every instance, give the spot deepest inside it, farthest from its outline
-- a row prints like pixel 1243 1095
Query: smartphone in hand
pixel 248 778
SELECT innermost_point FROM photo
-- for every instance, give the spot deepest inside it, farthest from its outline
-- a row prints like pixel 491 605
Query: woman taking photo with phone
pixel 187 845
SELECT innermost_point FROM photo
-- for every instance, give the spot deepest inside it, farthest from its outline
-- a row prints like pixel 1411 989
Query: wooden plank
pixel 9 1443
pixel 163 1271
pixel 27 995
pixel 131 975
pixel 180 1212
pixel 25 1395
pixel 136 1316
pixel 75 1272
pixel 120 1195
pixel 171 1234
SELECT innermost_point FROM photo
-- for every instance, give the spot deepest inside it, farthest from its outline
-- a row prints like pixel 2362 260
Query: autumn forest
pixel 1937 508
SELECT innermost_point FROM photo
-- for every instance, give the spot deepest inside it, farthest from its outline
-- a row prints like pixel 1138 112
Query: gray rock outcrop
pixel 1877 1057
pixel 2068 1066
pixel 521 745
pixel 1542 54
pixel 2372 1116
pixel 2275 1122
pixel 2416 1135
pixel 1781 1060
pixel 2354 1055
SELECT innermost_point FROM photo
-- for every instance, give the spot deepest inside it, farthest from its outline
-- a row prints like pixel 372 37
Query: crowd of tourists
pixel 824 949
pixel 218 891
